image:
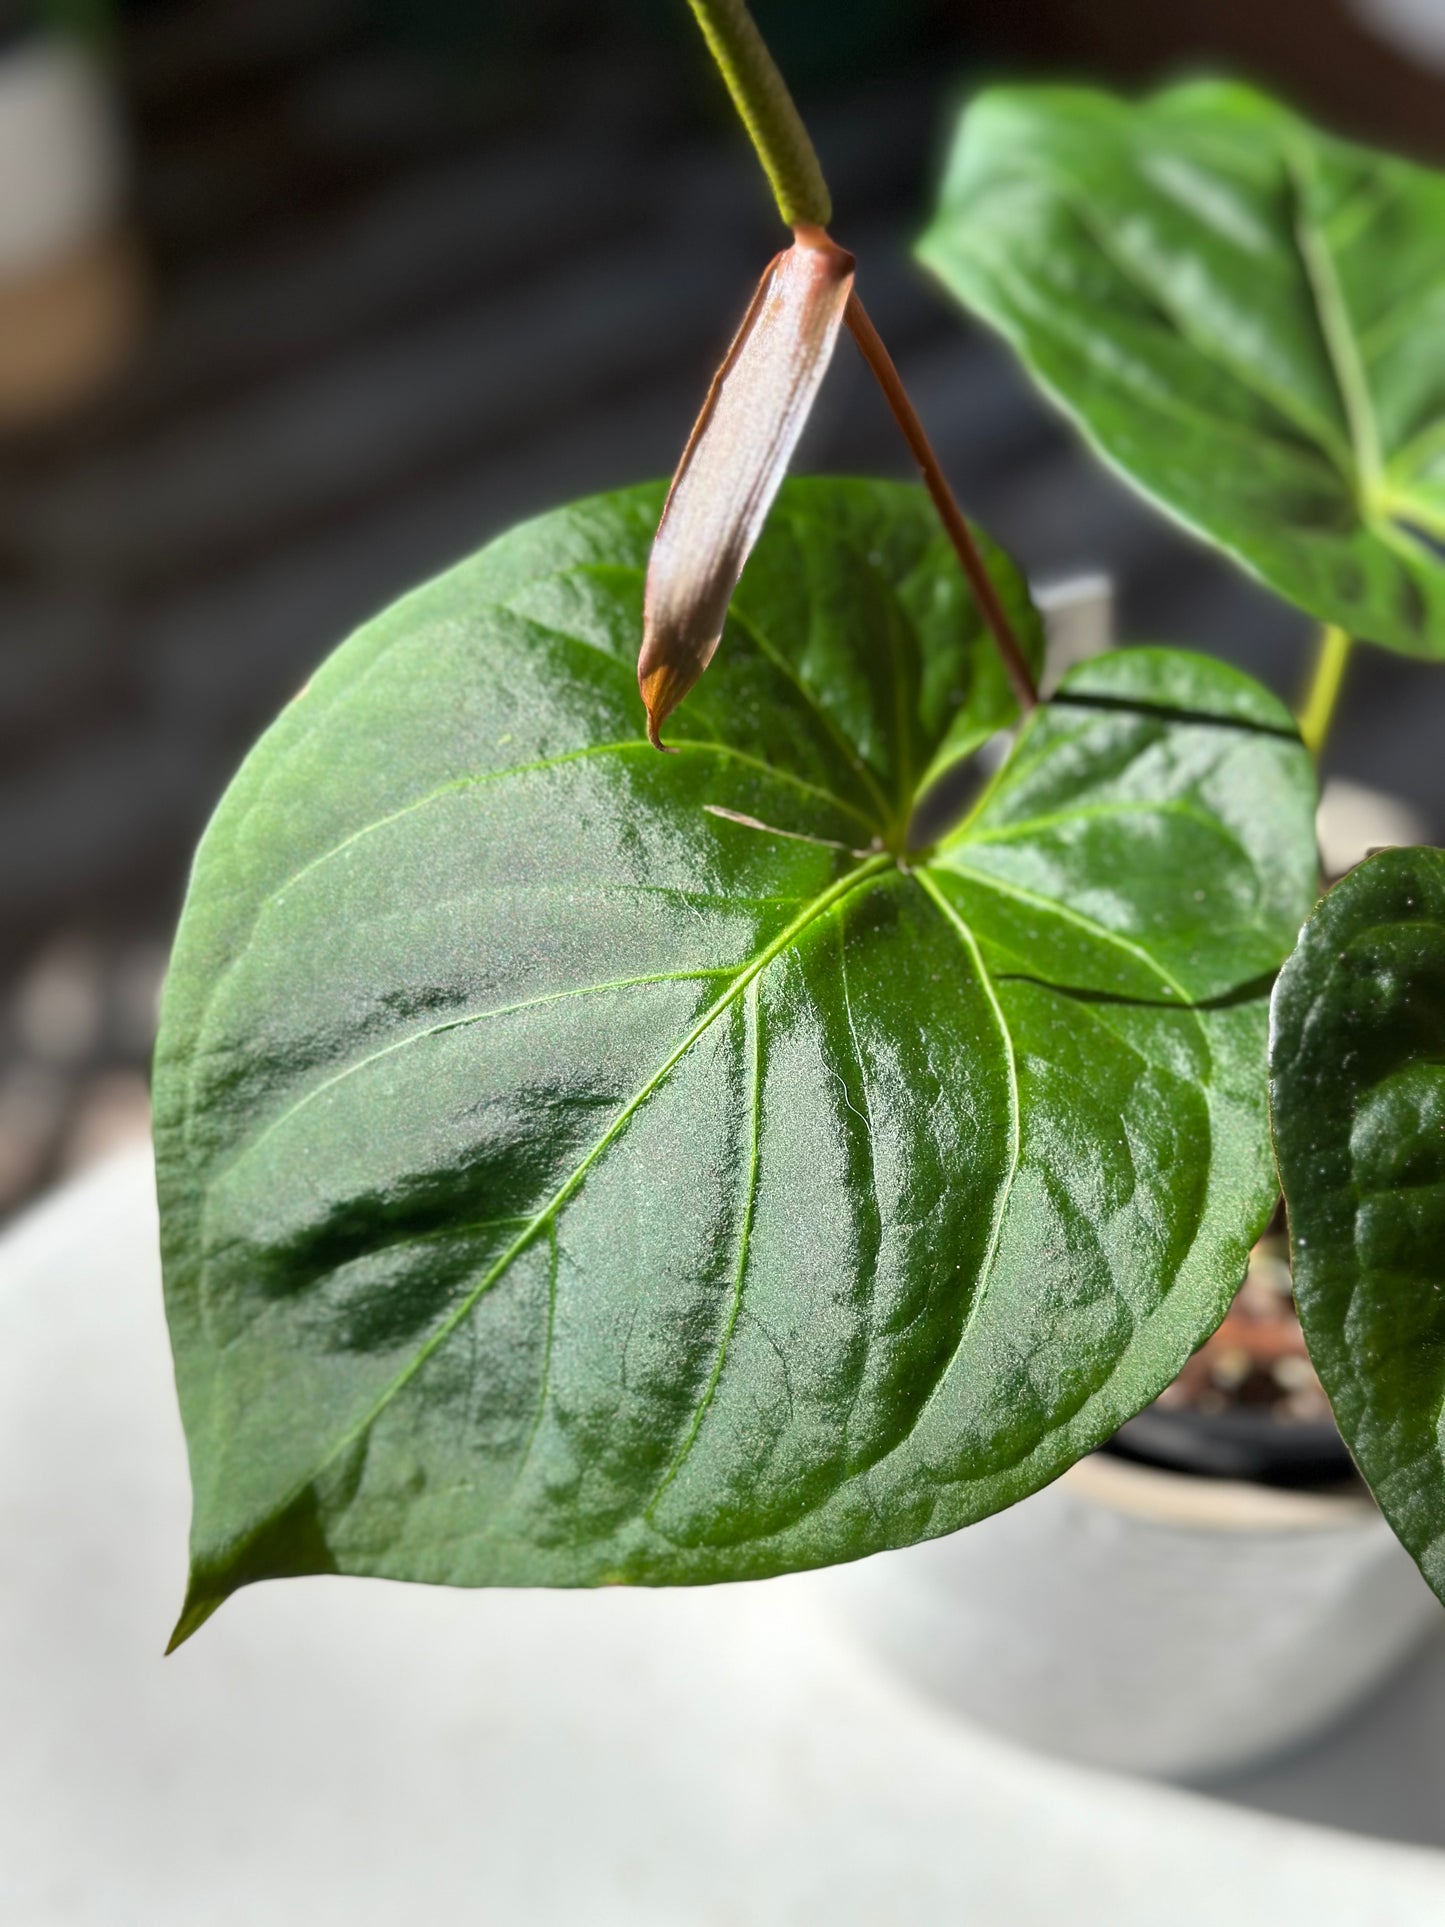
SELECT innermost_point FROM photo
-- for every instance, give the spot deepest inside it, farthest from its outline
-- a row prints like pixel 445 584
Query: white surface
pixel 61 157
pixel 330 1751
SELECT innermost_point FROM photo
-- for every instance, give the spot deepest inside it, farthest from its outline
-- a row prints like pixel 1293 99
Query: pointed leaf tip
pixel 734 463
pixel 196 1610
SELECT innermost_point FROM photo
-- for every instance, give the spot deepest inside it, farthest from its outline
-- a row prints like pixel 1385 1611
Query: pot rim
pixel 1216 1505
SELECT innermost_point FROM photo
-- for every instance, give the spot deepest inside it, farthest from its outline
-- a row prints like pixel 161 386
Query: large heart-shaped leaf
pixel 1245 317
pixel 579 1164
pixel 1357 1066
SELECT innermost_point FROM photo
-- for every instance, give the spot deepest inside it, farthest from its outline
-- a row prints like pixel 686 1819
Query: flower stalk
pixel 765 107
pixel 761 397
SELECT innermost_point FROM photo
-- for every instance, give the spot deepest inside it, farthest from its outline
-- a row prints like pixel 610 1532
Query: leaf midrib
pixel 1304 424
pixel 740 982
pixel 820 906
pixel 1337 332
pixel 1305 448
pixel 461 785
pixel 1358 456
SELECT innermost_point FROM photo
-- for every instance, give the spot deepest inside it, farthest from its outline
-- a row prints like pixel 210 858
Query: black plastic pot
pixel 1241 1444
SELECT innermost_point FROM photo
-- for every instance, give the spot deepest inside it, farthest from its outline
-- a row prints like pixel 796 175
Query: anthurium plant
pixel 584 1166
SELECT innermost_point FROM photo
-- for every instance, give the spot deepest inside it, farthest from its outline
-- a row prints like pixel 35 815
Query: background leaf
pixel 579 1164
pixel 1357 1062
pixel 1244 316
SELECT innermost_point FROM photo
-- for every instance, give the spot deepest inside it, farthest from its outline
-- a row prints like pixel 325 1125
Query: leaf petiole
pixel 1322 698
pixel 880 363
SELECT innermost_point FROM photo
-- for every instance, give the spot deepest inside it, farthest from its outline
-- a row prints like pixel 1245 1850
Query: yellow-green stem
pixel 766 108
pixel 1317 712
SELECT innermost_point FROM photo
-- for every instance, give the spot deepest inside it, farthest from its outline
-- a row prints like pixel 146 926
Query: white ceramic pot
pixel 1148 1620
pixel 1144 1619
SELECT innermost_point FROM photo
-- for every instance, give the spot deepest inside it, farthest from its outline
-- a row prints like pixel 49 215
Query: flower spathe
pixel 734 463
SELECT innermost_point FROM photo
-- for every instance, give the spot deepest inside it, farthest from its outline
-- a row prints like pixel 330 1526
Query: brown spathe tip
pixel 662 683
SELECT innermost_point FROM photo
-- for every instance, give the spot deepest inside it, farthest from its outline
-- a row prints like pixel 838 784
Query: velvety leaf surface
pixel 1357 1067
pixel 579 1164
pixel 1245 316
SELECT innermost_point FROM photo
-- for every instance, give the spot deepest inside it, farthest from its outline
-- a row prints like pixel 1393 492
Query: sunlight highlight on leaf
pixel 576 1168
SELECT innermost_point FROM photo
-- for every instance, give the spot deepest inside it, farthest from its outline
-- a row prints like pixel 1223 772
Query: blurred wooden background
pixel 417 270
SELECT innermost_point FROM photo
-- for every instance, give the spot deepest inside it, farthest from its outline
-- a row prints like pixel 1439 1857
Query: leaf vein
pixel 464 1022
pixel 818 907
pixel 1070 915
pixel 784 668
pixel 1015 1155
pixel 752 1004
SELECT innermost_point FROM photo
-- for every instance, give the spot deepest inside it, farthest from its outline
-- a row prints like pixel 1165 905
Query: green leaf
pixel 1244 316
pixel 1357 1080
pixel 582 1165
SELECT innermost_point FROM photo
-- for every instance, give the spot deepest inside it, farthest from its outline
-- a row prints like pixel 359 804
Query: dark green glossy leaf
pixel 1246 317
pixel 1357 1069
pixel 579 1164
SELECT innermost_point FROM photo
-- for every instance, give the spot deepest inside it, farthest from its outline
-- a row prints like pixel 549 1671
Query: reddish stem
pixel 949 513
